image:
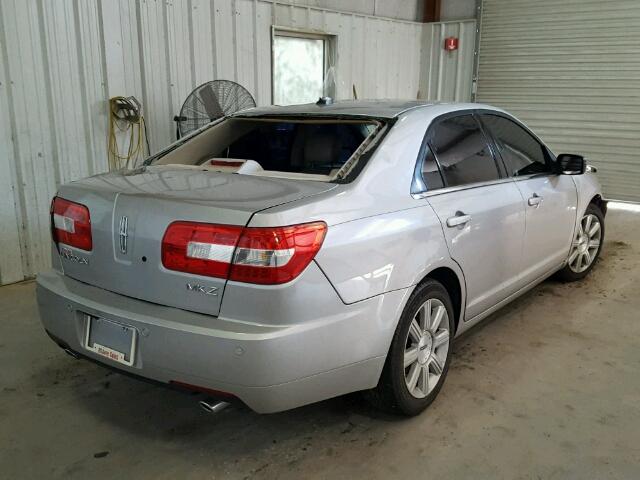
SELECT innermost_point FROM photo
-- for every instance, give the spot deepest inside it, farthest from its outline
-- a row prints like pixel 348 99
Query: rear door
pixel 479 208
pixel 549 199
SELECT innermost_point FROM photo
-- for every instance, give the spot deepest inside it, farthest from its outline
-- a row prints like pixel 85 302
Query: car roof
pixel 384 109
pixel 366 108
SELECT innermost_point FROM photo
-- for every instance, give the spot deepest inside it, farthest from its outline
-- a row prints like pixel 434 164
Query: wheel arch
pixel 451 277
pixel 454 284
pixel 598 201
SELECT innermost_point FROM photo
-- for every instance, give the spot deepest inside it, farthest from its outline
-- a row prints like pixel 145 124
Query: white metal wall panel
pixel 262 40
pixel 398 9
pixel 11 262
pixel 225 33
pixel 93 86
pixel 571 71
pixel 446 76
pixel 180 59
pixel 121 50
pixel 381 57
pixel 35 162
pixel 61 61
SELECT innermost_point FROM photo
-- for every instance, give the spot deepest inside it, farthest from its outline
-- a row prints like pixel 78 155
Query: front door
pixel 550 203
pixel 549 199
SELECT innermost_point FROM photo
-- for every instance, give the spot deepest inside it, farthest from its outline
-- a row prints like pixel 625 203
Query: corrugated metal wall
pixel 61 60
pixel 446 76
pixel 400 9
pixel 571 71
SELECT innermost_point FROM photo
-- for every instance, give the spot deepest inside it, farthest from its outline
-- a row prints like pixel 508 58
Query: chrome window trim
pixel 518 178
pixel 469 186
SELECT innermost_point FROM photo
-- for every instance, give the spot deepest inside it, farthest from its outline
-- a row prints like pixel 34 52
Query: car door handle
pixel 535 200
pixel 459 219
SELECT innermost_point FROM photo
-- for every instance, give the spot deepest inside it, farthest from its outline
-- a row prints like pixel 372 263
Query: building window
pixel 301 63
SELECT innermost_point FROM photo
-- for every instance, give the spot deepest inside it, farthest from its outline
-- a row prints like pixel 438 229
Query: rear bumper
pixel 271 366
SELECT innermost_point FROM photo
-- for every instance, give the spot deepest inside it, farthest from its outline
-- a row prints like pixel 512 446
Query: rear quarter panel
pixel 374 255
pixel 380 239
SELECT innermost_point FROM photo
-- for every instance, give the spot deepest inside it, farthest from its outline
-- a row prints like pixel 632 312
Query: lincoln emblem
pixel 122 233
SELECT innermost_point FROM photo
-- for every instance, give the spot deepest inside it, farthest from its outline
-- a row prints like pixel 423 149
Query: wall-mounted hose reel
pixel 126 119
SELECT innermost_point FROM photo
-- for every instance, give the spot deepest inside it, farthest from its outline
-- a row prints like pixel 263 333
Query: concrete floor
pixel 547 388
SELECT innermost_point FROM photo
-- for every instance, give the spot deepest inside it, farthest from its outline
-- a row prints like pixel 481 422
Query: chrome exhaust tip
pixel 71 353
pixel 213 406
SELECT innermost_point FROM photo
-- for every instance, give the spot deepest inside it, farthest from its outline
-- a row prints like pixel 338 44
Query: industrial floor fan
pixel 210 101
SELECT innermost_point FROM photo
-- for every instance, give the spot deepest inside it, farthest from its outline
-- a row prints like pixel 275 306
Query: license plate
pixel 111 340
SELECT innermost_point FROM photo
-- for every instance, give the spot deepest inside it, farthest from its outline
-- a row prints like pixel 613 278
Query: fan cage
pixel 211 101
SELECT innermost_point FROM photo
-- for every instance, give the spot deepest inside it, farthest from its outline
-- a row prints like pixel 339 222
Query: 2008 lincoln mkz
pixel 285 255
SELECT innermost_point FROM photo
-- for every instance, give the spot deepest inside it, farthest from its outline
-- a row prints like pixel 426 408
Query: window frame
pixel 418 184
pixel 418 180
pixel 550 158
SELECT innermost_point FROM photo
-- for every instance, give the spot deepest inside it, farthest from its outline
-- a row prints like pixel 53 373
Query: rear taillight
pixel 200 248
pixel 269 256
pixel 276 255
pixel 71 224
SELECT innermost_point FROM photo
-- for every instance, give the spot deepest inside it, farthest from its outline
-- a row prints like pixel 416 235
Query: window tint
pixel 462 151
pixel 522 154
pixel 430 172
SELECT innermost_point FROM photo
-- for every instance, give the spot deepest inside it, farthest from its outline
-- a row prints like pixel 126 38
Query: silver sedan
pixel 285 255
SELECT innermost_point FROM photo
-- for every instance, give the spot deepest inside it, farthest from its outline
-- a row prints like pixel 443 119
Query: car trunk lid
pixel 130 212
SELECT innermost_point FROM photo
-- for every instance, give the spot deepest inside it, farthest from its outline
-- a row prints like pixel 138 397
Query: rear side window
pixel 521 152
pixel 462 151
pixel 430 172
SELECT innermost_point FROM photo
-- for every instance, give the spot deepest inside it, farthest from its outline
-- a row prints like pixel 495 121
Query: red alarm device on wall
pixel 451 44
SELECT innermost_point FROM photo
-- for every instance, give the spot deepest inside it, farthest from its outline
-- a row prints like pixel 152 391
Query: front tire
pixel 420 352
pixel 586 245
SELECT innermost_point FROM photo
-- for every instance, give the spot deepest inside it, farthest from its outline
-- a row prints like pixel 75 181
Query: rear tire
pixel 420 353
pixel 586 245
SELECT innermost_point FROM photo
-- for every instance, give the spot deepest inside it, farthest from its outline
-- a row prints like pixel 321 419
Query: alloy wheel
pixel 426 348
pixel 586 243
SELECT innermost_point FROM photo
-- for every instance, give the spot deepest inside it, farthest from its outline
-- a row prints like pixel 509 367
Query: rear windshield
pixel 311 149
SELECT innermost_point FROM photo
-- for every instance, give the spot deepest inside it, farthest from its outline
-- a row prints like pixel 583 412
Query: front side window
pixel 462 151
pixel 521 152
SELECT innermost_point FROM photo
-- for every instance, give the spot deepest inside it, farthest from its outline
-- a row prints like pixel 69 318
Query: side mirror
pixel 570 164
